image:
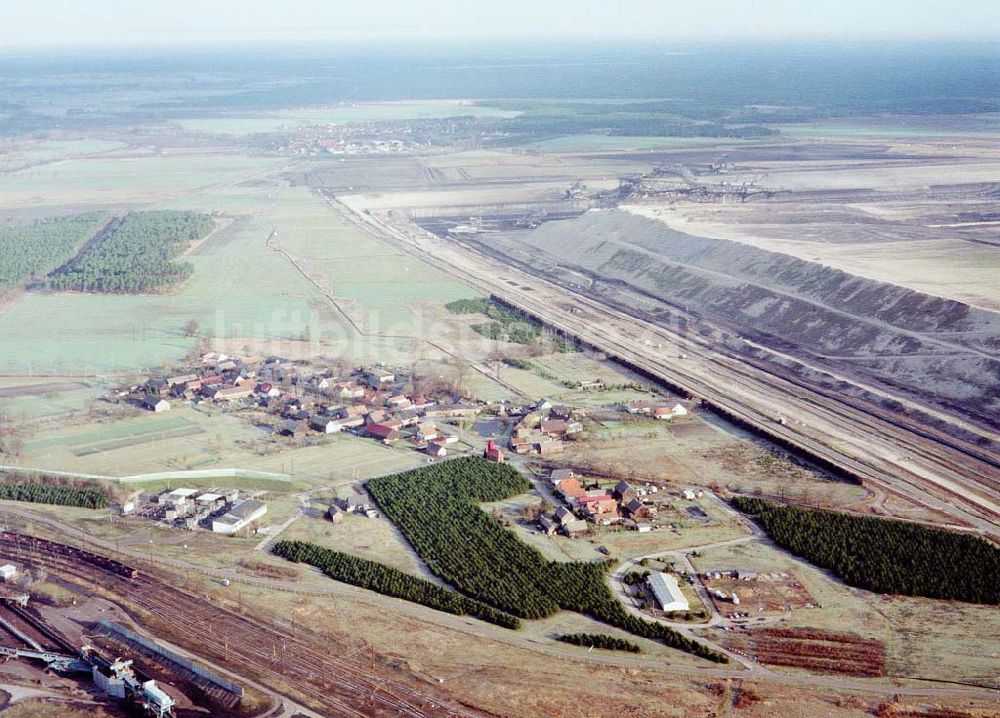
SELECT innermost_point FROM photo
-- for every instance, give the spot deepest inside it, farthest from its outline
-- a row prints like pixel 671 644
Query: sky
pixel 41 23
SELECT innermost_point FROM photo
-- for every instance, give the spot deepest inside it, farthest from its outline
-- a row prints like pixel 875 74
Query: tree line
pixel 136 256
pixel 51 494
pixel 29 251
pixel 599 640
pixel 389 581
pixel 884 555
pixel 436 508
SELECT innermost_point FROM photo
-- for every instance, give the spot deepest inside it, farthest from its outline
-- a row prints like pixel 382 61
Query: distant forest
pixel 136 256
pixel 884 555
pixel 31 250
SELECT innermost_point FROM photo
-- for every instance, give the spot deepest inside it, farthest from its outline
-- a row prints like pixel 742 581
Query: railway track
pixel 342 686
pixel 938 476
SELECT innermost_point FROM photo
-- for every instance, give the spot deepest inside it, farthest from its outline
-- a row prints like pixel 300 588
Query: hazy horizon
pixel 113 23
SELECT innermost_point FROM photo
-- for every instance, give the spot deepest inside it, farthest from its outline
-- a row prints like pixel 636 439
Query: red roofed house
pixel 384 432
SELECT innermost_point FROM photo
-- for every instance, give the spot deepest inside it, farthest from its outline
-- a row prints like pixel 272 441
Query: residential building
pixel 426 431
pixel 624 492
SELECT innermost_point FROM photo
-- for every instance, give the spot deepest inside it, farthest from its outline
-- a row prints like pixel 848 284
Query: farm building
pixel 232 393
pixel 239 516
pixel 436 450
pixel 378 378
pixel 575 528
pixel 554 427
pixel 293 428
pixel 156 404
pixel 384 432
pixel 666 592
pixel 181 379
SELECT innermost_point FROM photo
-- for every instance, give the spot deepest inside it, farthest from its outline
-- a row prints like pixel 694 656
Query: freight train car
pixel 33 543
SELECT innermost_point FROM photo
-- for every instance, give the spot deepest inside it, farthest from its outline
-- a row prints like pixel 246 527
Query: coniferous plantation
pixel 137 256
pixel 437 510
pixel 884 555
pixel 599 640
pixel 389 581
pixel 31 250
pixel 51 494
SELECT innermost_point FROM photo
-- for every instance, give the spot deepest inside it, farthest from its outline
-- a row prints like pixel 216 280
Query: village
pixel 294 402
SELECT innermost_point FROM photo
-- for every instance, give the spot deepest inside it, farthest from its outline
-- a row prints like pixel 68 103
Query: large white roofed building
pixel 667 592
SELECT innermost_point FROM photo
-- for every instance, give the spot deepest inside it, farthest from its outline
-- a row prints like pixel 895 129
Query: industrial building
pixel 118 679
pixel 667 592
pixel 239 516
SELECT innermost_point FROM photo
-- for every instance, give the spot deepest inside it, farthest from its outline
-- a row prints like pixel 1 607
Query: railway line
pixel 344 687
pixel 857 443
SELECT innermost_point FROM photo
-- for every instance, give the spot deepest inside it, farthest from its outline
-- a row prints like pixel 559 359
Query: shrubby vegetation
pixel 51 494
pixel 599 640
pixel 389 581
pixel 437 510
pixel 884 555
pixel 137 256
pixel 507 325
pixel 30 251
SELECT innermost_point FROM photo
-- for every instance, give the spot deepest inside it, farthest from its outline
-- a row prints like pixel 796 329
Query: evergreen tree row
pixel 599 640
pixel 389 581
pixel 50 494
pixel 884 555
pixel 30 251
pixel 137 255
pixel 437 510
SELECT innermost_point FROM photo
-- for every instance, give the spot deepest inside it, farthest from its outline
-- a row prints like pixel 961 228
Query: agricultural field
pixel 186 439
pixel 604 143
pixel 284 120
pixel 383 290
pixel 18 154
pixel 27 398
pixel 122 181
pixel 809 649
